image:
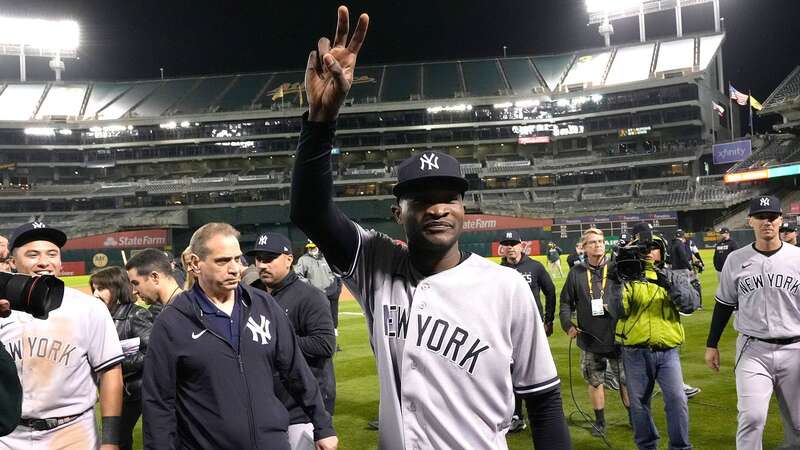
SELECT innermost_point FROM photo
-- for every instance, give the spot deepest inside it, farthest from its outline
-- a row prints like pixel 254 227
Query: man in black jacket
pixel 310 314
pixel 584 294
pixel 10 389
pixel 724 247
pixel 535 275
pixel 539 281
pixel 208 375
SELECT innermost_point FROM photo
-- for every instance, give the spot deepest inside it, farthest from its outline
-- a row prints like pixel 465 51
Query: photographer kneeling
pixel 650 331
pixel 58 355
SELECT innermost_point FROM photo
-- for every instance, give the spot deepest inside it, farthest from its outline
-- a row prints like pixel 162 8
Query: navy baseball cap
pixel 788 228
pixel 273 243
pixel 35 231
pixel 429 166
pixel 511 238
pixel 724 230
pixel 765 204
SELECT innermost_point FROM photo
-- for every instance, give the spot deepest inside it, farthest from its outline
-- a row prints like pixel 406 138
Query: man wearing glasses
pixel 584 294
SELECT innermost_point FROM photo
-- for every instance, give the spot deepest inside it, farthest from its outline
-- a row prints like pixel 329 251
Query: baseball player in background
pixel 59 359
pixel 789 234
pixel 762 283
pixel 554 258
pixel 455 336
pixel 724 247
pixel 540 282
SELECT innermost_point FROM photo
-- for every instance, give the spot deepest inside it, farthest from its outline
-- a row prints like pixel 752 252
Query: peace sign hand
pixel 329 73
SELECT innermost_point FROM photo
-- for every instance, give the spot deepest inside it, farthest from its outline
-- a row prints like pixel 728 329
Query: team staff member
pixel 309 312
pixel 59 359
pixel 650 330
pixel 445 325
pixel 789 234
pixel 762 282
pixel 535 275
pixel 584 293
pixel 539 281
pixel 133 323
pixel 208 375
pixel 152 278
pixel 724 247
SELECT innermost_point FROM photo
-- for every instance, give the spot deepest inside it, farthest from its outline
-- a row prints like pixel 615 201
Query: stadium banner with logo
pixel 485 222
pixel 157 238
pixel 731 152
pixel 628 218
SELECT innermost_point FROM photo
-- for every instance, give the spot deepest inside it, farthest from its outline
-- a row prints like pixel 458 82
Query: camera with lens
pixel 631 257
pixel 36 296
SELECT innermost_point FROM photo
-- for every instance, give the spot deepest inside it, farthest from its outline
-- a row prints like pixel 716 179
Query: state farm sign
pixel 484 222
pixel 121 240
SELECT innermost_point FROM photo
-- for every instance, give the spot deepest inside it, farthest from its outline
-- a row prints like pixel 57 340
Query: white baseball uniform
pixel 766 291
pixel 451 348
pixel 58 360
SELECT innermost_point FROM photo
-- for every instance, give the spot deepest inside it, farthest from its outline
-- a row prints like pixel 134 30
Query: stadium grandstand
pixel 620 130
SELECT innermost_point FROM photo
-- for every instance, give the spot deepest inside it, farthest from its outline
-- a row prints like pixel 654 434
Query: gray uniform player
pixel 454 335
pixel 59 359
pixel 762 282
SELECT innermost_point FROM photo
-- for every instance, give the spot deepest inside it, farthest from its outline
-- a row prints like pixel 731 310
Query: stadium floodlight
pixel 603 12
pixel 54 39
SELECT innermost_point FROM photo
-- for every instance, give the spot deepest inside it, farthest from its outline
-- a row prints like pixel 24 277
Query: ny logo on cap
pixel 429 162
pixel 38 225
pixel 765 201
pixel 508 235
pixel 262 240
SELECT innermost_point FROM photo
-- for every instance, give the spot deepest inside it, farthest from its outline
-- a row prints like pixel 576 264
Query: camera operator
pixel 650 331
pixel 58 359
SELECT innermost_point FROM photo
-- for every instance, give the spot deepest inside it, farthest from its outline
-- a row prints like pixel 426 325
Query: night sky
pixel 132 39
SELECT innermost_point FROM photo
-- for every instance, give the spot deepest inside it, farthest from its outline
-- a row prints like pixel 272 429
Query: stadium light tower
pixel 56 39
pixel 604 12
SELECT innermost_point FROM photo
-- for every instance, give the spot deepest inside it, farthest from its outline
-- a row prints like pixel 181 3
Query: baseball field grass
pixel 712 412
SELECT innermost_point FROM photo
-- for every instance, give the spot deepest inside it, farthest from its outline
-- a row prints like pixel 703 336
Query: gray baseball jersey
pixel 451 348
pixel 57 359
pixel 766 291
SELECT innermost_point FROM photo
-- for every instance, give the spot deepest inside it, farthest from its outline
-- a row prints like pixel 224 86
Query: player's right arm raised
pixel 329 75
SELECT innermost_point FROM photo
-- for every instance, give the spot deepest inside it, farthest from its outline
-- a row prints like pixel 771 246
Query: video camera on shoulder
pixel 37 296
pixel 631 258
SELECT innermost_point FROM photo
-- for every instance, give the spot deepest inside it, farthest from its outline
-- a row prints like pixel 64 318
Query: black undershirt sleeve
pixel 548 425
pixel 722 313
pixel 312 208
pixel 549 291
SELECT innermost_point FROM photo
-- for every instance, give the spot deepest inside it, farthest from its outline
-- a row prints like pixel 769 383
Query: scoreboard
pixel 569 231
